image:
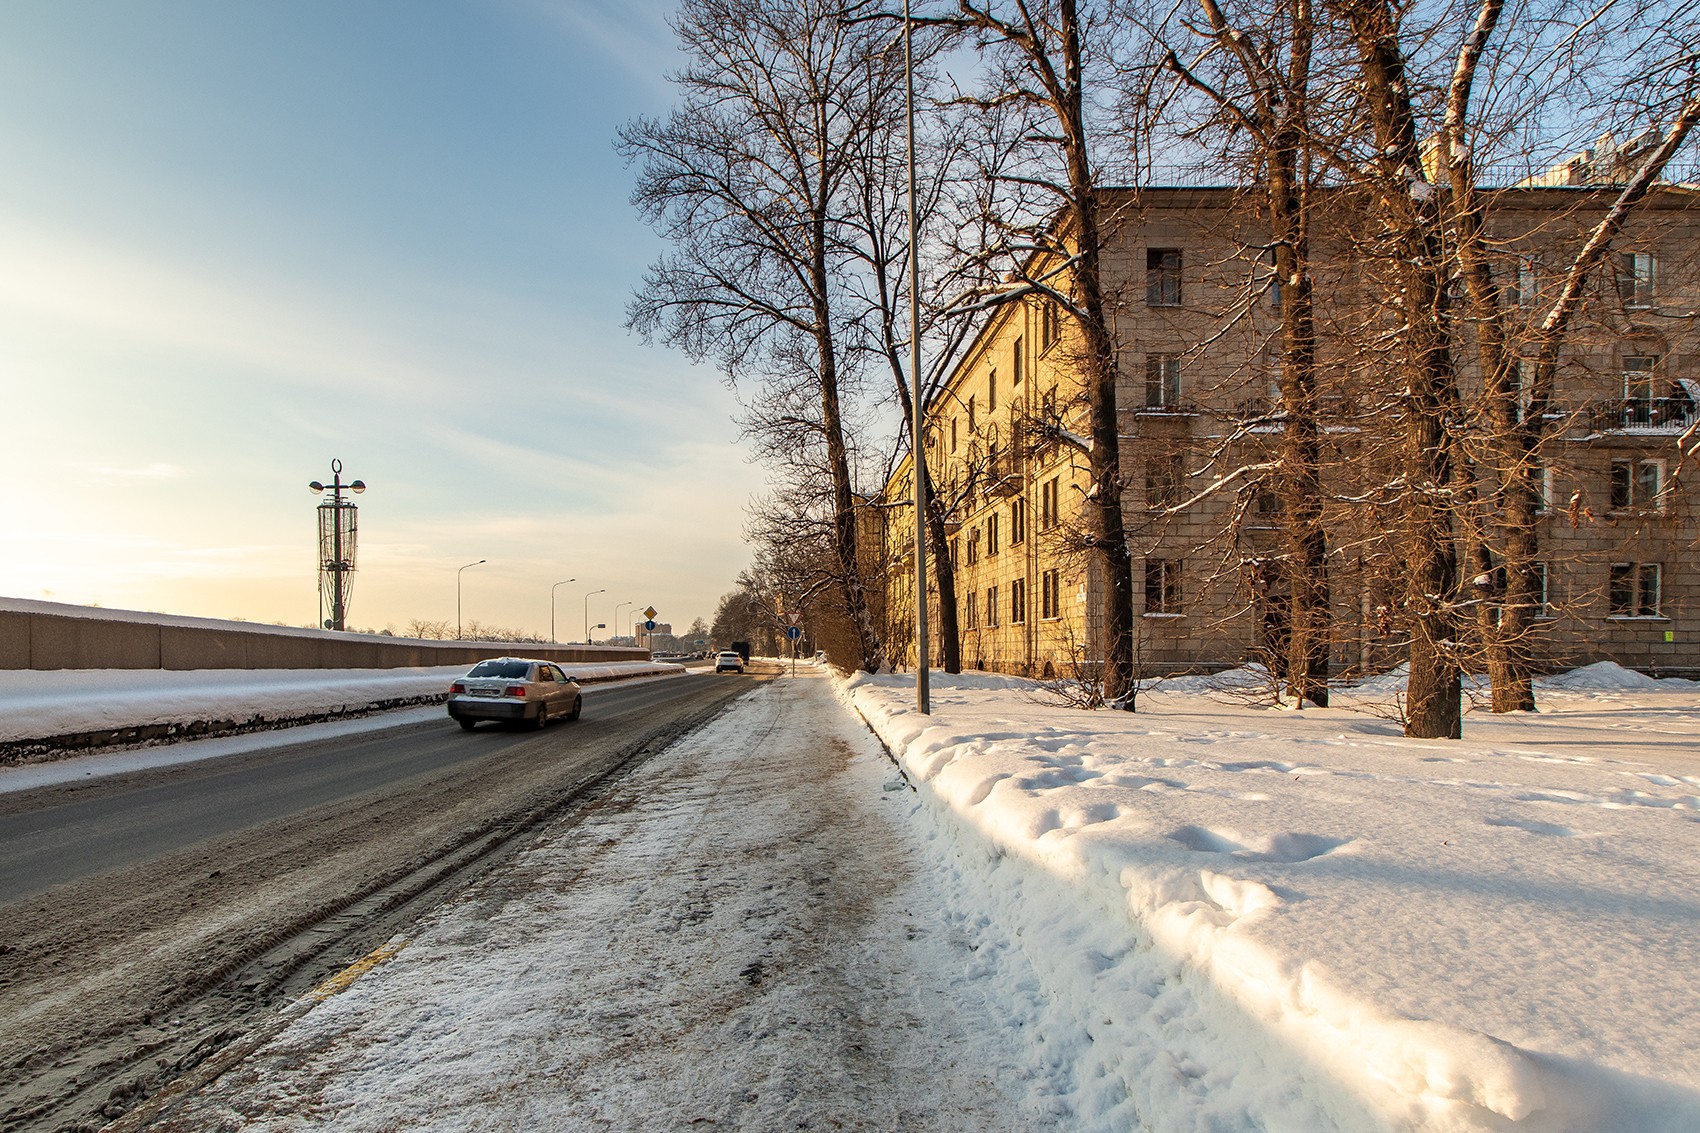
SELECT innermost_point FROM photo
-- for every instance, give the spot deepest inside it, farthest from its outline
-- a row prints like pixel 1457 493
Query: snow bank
pixel 36 703
pixel 1609 676
pixel 1334 920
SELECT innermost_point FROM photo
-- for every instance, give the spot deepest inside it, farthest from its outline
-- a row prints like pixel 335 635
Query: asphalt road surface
pixel 148 920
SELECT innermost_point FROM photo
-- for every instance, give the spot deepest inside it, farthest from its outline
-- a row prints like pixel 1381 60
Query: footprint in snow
pixel 1286 847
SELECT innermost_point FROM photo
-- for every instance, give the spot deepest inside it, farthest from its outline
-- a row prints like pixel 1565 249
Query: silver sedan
pixel 517 690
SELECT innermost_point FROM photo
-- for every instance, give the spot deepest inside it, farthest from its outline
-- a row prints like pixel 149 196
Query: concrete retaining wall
pixel 50 635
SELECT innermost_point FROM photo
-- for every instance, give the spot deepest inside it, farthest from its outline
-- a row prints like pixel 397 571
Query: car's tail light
pixel 456 689
pixel 515 690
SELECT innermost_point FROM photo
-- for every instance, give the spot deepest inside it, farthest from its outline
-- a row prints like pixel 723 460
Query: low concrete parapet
pixel 53 635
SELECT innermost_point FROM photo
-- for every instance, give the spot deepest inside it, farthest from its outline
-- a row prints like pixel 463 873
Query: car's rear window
pixel 510 670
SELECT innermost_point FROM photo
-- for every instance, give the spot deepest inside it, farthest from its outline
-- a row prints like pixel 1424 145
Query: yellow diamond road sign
pixel 649 611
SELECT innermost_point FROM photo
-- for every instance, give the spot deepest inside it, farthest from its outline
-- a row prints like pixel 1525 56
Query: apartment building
pixel 1195 314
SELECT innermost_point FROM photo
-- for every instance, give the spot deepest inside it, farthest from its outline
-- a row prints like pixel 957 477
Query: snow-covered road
pixel 747 934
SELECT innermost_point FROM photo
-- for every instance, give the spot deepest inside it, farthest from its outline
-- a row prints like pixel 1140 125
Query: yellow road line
pixel 344 979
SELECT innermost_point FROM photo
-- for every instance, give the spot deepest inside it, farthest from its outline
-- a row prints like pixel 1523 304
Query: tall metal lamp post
pixel 604 590
pixel 617 623
pixel 917 449
pixel 337 533
pixel 458 573
pixel 552 590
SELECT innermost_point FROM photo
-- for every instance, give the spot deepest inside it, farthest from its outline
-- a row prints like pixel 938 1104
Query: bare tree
pixel 878 216
pixel 746 613
pixel 746 179
pixel 1409 250
pixel 1262 101
pixel 1515 413
pixel 1039 50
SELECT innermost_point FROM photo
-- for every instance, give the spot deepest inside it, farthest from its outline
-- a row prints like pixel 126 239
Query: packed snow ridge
pixel 1375 932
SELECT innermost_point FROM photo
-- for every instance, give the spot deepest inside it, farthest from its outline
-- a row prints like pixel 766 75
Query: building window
pixel 1048 517
pixel 1634 590
pixel 1162 586
pixel 1163 481
pixel 1162 380
pixel 971 610
pixel 1637 484
pixel 1546 489
pixel 1050 324
pixel 1525 285
pixel 1018 369
pixel 1640 376
pixel 1635 278
pixel 991 606
pixel 953 434
pixel 1163 277
pixel 955 552
pixel 992 390
pixel 1017 521
pixel 974 546
pixel 1018 601
pixel 1050 607
pixel 1543 591
pixel 991 534
pixel 973 418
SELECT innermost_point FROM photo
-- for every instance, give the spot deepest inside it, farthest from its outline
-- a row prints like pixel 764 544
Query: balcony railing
pixel 1174 408
pixel 1003 473
pixel 1642 413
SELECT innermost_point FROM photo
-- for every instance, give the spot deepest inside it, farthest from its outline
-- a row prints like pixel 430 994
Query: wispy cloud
pixel 635 37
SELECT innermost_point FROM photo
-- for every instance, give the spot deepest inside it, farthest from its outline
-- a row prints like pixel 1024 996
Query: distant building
pixel 1196 316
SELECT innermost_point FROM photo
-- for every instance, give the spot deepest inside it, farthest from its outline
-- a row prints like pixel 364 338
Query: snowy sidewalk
pixel 747 934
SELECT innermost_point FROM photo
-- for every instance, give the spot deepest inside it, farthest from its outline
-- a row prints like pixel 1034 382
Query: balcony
pixel 1003 473
pixel 1642 414
pixel 1174 408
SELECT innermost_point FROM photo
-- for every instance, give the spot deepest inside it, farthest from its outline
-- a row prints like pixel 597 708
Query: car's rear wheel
pixel 466 725
pixel 542 717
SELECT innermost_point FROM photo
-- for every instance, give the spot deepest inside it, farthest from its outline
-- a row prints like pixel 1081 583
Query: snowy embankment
pixel 82 708
pixel 1250 918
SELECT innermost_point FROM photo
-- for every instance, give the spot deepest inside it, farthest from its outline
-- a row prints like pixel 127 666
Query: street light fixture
pixel 598 625
pixel 604 590
pixel 617 612
pixel 552 590
pixel 458 573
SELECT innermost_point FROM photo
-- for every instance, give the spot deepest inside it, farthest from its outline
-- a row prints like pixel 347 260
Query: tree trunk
pixel 1423 358
pixel 950 634
pixel 838 463
pixel 1300 477
pixel 944 571
pixel 1106 529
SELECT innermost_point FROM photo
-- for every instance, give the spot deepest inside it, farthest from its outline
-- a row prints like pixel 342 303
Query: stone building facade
pixel 1195 314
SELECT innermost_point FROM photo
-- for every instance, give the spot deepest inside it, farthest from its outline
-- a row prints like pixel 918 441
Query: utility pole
pixel 917 449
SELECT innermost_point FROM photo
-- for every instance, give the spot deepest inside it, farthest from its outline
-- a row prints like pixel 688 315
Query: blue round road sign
pixel 793 632
pixel 650 624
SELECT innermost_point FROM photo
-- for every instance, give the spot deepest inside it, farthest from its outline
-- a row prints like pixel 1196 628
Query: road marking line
pixel 344 979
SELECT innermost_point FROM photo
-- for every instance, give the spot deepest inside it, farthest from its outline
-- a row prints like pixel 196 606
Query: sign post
pixel 793 631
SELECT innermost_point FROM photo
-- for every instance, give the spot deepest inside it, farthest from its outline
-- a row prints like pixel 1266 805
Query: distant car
pixel 516 690
pixel 728 661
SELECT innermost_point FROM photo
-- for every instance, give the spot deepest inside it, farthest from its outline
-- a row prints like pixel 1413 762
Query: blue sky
pixel 237 240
